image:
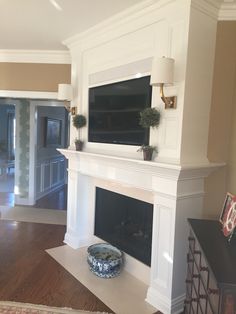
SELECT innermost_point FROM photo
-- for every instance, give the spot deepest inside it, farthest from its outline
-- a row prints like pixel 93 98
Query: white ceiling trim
pixel 227 12
pixel 209 7
pixel 35 56
pixel 115 21
pixel 214 3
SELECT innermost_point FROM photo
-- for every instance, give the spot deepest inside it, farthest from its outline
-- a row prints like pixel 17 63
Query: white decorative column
pixel 159 292
pixel 79 219
pixel 178 195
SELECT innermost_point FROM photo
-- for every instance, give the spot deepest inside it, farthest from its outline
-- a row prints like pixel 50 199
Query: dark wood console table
pixel 211 271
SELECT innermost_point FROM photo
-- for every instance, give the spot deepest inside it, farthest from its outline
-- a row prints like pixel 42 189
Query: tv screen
pixel 114 112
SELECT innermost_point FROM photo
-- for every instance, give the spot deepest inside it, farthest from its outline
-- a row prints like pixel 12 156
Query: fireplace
pixel 176 193
pixel 124 222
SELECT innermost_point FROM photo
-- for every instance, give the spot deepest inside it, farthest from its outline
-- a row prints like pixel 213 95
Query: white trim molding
pixel 24 201
pixel 119 22
pixel 117 25
pixel 28 94
pixel 209 7
pixel 227 12
pixel 35 56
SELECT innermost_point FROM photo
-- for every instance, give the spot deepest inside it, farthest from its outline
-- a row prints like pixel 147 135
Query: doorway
pixel 18 158
pixel 50 165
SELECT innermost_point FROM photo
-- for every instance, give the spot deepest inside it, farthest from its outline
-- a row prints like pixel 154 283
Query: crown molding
pixel 221 11
pixel 208 7
pixel 116 25
pixel 227 12
pixel 102 31
pixel 35 56
pixel 28 94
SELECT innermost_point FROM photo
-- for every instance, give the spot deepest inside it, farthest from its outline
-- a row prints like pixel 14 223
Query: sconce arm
pixel 170 102
pixel 162 94
pixel 72 110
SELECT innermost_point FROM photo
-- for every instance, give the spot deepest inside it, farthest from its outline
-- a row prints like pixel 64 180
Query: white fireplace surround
pixel 176 192
pixel 118 49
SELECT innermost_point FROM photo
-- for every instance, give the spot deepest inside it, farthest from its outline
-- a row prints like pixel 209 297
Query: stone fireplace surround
pixel 176 192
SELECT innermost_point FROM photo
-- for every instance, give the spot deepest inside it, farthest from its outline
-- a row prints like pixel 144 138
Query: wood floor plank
pixel 29 274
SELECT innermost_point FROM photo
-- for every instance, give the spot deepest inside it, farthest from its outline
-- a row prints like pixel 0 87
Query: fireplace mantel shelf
pixel 141 165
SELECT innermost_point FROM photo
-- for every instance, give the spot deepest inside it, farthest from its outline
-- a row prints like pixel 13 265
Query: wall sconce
pixel 163 73
pixel 65 94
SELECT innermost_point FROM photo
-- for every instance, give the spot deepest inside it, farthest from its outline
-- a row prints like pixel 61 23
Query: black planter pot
pixel 79 146
pixel 147 155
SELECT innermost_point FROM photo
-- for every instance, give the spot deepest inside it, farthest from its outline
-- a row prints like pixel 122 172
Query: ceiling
pixel 44 24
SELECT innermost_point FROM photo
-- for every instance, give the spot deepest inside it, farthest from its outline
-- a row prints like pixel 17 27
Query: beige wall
pixel 222 132
pixel 33 77
pixel 231 173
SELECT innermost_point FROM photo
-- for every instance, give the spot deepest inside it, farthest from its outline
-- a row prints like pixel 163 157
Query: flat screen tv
pixel 114 112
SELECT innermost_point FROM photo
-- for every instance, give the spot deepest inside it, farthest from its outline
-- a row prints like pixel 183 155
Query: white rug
pixel 31 214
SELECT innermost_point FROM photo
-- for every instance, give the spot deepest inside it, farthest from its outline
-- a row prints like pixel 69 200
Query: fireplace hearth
pixel 124 222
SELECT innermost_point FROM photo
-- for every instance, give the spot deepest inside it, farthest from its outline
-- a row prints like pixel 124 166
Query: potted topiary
pixel 79 121
pixel 149 118
pixel 147 151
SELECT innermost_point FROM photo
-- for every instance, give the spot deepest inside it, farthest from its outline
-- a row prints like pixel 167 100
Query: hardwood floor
pixel 29 274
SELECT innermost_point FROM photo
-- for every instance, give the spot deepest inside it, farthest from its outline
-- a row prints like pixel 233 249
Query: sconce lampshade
pixel 64 92
pixel 162 71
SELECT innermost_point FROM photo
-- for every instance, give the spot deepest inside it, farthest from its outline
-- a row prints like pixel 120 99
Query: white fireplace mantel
pixel 177 194
pixel 108 166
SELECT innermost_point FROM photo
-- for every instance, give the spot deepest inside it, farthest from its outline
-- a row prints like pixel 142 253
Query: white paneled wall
pixel 50 175
pixel 120 51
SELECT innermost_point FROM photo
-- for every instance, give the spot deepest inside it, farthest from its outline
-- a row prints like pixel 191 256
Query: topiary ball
pixel 79 121
pixel 150 117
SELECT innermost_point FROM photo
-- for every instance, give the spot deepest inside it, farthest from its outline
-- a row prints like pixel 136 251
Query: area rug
pixel 31 214
pixel 25 308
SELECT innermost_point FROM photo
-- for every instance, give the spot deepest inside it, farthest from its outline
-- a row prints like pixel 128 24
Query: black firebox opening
pixel 124 222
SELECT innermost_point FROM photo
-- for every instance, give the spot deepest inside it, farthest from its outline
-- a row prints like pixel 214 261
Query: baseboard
pixel 159 301
pixel 76 241
pixel 178 304
pixel 164 304
pixel 23 201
